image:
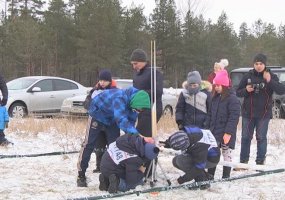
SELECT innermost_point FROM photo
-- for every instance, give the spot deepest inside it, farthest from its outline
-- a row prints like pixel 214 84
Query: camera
pixel 256 86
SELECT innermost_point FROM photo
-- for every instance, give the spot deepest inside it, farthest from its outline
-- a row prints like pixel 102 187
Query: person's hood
pixel 132 144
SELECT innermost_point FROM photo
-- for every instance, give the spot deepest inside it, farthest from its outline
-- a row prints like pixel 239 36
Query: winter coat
pixel 193 109
pixel 224 117
pixel 4 91
pixel 127 169
pixel 113 106
pixel 142 81
pixel 4 117
pixel 258 105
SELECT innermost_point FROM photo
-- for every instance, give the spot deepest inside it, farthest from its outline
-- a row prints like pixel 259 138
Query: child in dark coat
pixel 224 117
pixel 122 165
pixel 193 103
pixel 199 151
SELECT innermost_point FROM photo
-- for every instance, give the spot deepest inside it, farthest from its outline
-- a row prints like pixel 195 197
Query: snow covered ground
pixel 54 177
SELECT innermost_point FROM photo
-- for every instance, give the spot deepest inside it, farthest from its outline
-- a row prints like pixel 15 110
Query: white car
pixel 74 105
pixel 40 95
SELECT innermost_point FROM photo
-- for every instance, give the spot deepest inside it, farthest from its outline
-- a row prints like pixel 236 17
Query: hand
pixel 267 76
pixel 165 144
pixel 142 169
pixel 226 138
pixel 249 88
pixel 4 102
pixel 180 124
pixel 148 139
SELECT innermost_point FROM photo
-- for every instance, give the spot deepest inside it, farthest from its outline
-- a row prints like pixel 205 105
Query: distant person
pixel 123 164
pixel 105 82
pixel 256 87
pixel 218 66
pixel 199 152
pixel 4 118
pixel 142 81
pixel 111 109
pixel 224 117
pixel 193 103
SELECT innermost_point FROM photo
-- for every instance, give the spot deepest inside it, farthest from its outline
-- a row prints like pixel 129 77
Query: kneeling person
pixel 122 165
pixel 199 151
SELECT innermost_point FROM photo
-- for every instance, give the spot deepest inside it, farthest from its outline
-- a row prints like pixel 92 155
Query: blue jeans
pixel 261 126
pixel 123 186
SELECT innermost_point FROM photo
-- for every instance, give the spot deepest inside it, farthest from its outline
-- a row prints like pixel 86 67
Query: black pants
pixel 144 121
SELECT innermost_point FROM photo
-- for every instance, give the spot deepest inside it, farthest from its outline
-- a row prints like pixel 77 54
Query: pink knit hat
pixel 222 78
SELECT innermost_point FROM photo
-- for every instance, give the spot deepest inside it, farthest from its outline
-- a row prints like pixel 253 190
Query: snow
pixel 54 177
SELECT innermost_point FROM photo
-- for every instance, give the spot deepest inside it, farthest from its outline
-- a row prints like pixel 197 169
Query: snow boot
pixel 211 173
pixel 5 142
pixel 114 184
pixel 81 180
pixel 104 183
pixel 226 172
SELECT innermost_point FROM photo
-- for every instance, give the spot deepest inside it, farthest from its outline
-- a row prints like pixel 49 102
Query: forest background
pixel 76 38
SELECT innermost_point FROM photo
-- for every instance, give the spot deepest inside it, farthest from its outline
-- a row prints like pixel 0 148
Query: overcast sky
pixel 238 11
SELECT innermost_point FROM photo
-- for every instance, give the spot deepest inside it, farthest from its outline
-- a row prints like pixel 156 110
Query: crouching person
pixel 199 151
pixel 122 165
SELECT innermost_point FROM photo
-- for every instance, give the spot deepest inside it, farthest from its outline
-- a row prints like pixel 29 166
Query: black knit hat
pixel 139 55
pixel 260 58
pixel 105 75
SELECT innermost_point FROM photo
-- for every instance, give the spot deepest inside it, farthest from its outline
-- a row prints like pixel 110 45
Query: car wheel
pixel 168 111
pixel 276 111
pixel 17 110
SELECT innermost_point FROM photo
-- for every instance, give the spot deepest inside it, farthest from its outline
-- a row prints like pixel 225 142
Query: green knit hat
pixel 140 100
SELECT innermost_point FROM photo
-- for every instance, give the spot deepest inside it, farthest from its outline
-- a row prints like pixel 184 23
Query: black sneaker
pixel 114 183
pixel 260 162
pixel 5 142
pixel 104 183
pixel 81 181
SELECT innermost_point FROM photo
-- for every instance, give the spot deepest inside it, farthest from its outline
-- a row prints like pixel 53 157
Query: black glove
pixel 4 102
pixel 165 143
pixel 180 124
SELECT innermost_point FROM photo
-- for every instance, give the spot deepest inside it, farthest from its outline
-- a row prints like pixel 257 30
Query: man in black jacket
pixel 142 81
pixel 256 88
pixel 3 102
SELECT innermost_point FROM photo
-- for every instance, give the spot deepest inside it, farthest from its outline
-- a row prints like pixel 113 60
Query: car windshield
pixel 123 84
pixel 20 83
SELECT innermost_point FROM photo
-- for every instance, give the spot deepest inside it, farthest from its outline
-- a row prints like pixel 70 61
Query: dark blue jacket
pixel 258 105
pixel 127 169
pixel 193 109
pixel 142 81
pixel 224 117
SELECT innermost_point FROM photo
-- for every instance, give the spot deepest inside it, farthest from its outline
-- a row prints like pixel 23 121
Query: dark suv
pixel 278 108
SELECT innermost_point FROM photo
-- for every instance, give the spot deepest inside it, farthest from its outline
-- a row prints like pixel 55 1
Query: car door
pixel 41 101
pixel 62 90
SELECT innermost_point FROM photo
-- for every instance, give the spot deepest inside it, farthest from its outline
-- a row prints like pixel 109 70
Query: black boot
pixel 81 180
pixel 114 182
pixel 104 183
pixel 226 172
pixel 211 173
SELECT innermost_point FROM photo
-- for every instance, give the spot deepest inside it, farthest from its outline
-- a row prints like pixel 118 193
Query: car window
pixel 123 84
pixel 45 85
pixel 281 76
pixel 20 83
pixel 236 78
pixel 64 85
